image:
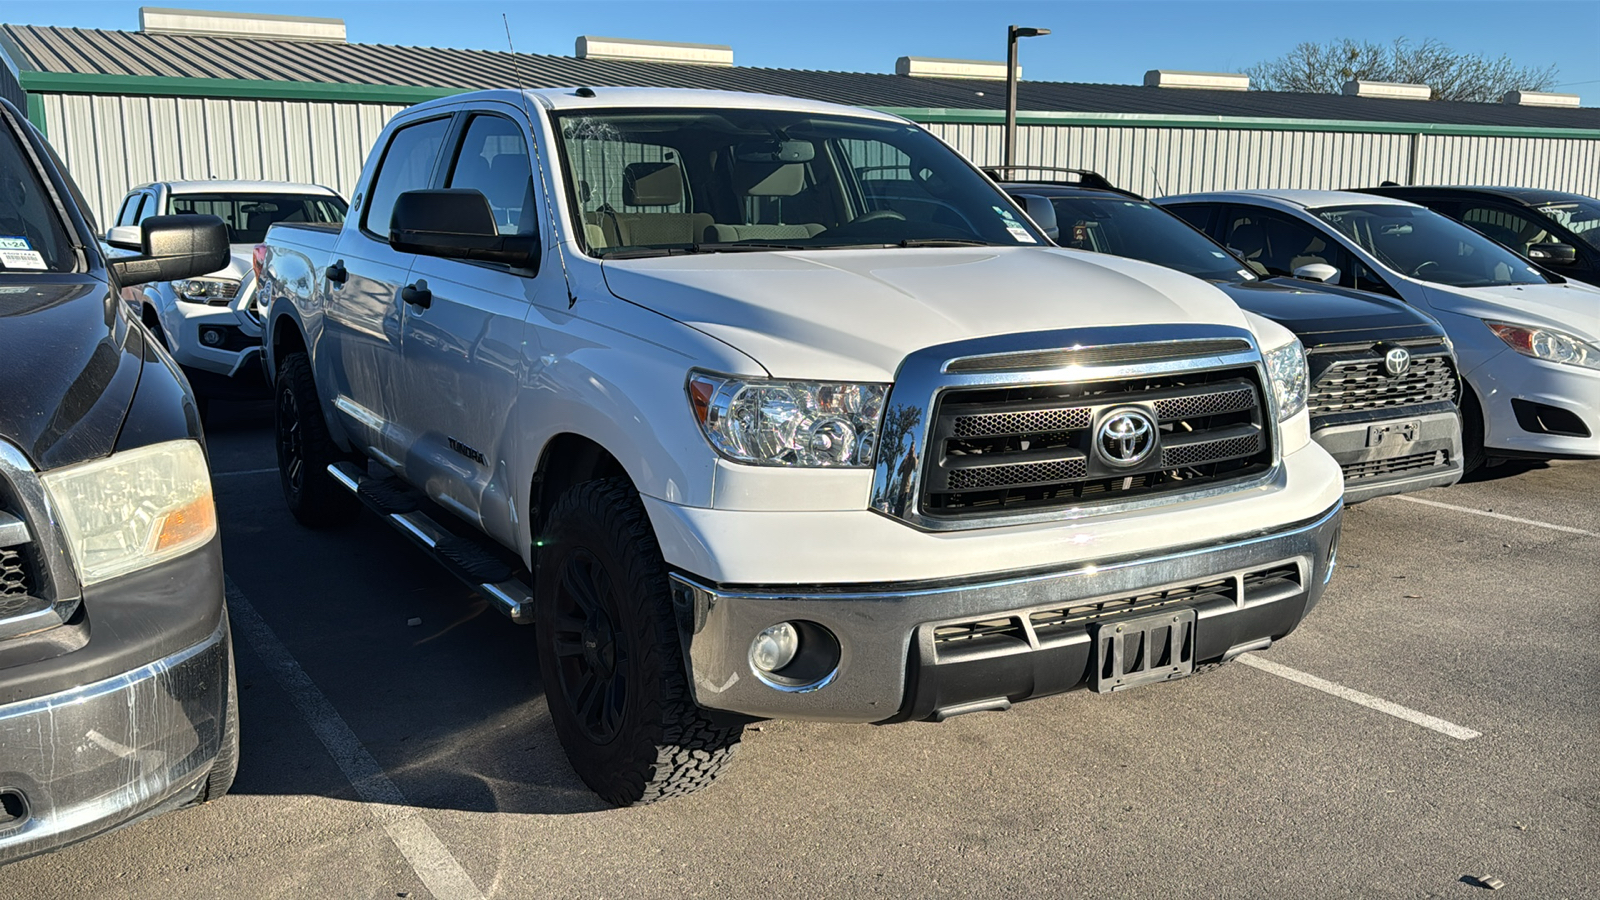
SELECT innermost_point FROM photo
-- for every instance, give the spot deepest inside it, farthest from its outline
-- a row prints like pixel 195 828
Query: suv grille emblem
pixel 1125 437
pixel 1397 361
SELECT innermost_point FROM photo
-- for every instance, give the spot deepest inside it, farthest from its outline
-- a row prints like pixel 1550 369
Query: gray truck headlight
pixel 809 424
pixel 133 509
pixel 204 290
pixel 1286 369
pixel 1546 344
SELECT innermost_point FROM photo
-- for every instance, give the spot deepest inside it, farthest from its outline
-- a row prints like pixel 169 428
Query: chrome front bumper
pixel 84 761
pixel 892 662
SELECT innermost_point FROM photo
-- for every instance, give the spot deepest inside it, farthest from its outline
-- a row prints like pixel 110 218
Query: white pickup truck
pixel 760 407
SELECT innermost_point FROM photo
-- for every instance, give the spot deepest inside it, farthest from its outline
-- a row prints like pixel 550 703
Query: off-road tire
pixel 305 450
pixel 648 740
pixel 226 765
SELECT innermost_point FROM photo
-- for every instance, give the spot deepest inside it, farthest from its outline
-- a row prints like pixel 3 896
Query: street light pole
pixel 1013 32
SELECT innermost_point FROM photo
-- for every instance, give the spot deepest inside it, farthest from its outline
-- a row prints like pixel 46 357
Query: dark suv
pixel 1556 229
pixel 116 666
pixel 1384 386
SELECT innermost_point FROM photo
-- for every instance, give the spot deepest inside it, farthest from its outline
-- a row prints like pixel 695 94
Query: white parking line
pixel 1494 515
pixel 1384 706
pixel 274 470
pixel 439 871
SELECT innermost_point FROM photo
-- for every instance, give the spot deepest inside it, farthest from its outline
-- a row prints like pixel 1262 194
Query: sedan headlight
pixel 204 290
pixel 1548 345
pixel 788 423
pixel 1286 369
pixel 133 509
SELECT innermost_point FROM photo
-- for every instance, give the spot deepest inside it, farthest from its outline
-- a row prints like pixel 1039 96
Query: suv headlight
pixel 133 509
pixel 204 290
pixel 1548 345
pixel 813 424
pixel 1286 369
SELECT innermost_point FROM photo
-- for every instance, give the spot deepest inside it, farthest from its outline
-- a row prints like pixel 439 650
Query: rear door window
pixel 1504 225
pixel 493 160
pixel 407 165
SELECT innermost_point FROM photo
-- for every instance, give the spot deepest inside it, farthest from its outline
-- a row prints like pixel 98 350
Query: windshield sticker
pixel 14 243
pixel 1021 234
pixel 1247 275
pixel 22 259
pixel 1219 254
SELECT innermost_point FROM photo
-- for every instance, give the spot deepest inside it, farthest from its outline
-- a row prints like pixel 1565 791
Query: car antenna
pixel 538 157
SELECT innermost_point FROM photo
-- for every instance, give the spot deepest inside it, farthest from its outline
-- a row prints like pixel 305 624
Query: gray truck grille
pixel 1033 447
pixel 1356 385
pixel 1378 468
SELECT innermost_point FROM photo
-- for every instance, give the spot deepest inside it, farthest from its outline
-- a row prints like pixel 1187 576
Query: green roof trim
pixel 228 88
pixel 36 113
pixel 243 89
pixel 1145 120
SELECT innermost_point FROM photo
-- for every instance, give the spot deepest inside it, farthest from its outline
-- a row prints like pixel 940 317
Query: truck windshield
pixel 1429 247
pixel 654 182
pixel 1581 217
pixel 1123 226
pixel 32 237
pixel 248 216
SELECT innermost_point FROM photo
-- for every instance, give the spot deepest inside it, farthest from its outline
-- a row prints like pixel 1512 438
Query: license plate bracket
pixel 1142 650
pixel 1392 435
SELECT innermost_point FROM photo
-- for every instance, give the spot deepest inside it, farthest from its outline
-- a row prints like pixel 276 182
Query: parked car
pixel 210 324
pixel 1383 377
pixel 117 696
pixel 1556 229
pixel 1528 341
pixel 743 439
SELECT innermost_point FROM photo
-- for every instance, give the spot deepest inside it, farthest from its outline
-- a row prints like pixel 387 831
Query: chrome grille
pixel 1355 385
pixel 1032 447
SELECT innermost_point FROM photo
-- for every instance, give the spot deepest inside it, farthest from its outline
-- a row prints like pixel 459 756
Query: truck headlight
pixel 1548 345
pixel 812 424
pixel 1286 369
pixel 133 509
pixel 204 290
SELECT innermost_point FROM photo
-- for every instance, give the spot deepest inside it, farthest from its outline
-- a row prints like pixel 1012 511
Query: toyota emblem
pixel 1397 361
pixel 1125 437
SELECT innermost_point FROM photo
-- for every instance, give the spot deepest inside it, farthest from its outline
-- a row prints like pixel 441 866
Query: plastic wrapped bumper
pixel 83 761
pixel 927 650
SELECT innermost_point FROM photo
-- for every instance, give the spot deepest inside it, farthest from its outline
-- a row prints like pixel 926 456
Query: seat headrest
pixel 652 184
pixel 783 180
pixel 1248 240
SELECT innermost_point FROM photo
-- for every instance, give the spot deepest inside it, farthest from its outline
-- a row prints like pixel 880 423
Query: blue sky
pixel 1097 42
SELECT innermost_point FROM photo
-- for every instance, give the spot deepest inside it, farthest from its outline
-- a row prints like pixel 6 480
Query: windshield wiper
pixel 944 242
pixel 687 249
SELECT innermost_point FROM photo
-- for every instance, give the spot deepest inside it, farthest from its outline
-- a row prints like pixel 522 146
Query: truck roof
pixel 565 99
pixel 252 187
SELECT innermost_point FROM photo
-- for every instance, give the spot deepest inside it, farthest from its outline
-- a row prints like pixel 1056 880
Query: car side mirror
pixel 125 237
pixel 1042 212
pixel 457 223
pixel 1316 272
pixel 1553 254
pixel 173 247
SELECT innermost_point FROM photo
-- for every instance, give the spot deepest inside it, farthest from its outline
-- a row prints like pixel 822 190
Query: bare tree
pixel 1324 68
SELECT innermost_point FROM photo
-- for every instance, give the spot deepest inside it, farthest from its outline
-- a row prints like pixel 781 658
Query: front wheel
pixel 305 450
pixel 609 654
pixel 1472 431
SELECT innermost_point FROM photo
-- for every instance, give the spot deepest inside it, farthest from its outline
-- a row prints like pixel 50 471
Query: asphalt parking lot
pixel 1434 720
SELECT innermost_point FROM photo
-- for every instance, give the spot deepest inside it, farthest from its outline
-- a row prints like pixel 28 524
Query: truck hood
pixel 70 363
pixel 1572 307
pixel 853 315
pixel 1320 316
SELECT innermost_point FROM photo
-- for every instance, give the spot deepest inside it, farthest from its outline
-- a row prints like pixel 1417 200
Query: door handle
pixel 337 273
pixel 417 294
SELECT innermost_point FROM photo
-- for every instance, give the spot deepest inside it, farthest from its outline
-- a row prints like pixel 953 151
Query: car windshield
pixel 248 216
pixel 32 237
pixel 1123 226
pixel 1581 217
pixel 1429 247
pixel 654 182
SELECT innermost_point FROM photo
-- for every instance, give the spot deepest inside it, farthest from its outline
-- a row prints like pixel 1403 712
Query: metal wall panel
pixel 114 143
pixel 1562 165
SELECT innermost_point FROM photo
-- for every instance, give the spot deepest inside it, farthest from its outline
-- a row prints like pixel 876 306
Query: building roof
pixel 92 52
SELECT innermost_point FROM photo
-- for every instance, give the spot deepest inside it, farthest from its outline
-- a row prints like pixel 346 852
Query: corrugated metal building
pixel 125 108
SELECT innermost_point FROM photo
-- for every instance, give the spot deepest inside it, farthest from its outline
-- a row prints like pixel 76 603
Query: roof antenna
pixel 538 157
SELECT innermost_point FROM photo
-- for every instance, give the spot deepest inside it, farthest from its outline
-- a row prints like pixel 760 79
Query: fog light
pixel 774 648
pixel 211 337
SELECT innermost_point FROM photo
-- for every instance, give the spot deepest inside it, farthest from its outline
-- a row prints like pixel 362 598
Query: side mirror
pixel 1316 272
pixel 125 237
pixel 1043 214
pixel 457 223
pixel 173 247
pixel 1553 254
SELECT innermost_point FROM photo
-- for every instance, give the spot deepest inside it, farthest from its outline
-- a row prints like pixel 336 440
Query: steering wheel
pixel 1416 271
pixel 878 215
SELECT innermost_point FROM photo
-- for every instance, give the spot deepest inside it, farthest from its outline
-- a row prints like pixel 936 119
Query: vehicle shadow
pixel 1496 470
pixel 451 708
